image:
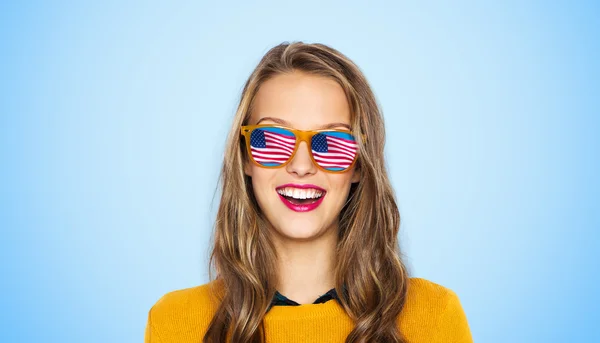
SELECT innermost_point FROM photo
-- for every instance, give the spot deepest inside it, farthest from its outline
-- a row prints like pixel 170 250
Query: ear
pixel 355 175
pixel 247 168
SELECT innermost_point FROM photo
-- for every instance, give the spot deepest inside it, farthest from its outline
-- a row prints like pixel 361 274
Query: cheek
pixel 340 184
pixel 262 183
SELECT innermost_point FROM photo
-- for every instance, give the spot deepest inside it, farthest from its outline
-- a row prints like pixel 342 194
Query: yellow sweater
pixel 432 314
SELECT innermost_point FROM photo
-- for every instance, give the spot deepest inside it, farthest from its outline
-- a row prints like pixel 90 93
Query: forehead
pixel 304 101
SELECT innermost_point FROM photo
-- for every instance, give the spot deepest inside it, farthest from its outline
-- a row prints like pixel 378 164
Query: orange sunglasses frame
pixel 301 135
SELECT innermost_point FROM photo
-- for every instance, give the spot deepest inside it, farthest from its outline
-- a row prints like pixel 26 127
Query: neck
pixel 306 268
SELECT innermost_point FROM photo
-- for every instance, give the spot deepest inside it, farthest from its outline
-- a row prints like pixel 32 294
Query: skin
pixel 305 241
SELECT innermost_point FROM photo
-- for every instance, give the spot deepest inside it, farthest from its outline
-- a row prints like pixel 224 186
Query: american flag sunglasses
pixel 274 146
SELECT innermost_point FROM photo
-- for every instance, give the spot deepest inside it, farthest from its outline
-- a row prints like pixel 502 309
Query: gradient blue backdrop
pixel 112 127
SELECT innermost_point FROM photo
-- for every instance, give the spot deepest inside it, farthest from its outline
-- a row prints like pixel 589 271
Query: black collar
pixel 281 300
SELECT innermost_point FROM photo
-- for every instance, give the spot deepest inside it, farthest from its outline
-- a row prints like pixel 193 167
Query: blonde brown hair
pixel 369 258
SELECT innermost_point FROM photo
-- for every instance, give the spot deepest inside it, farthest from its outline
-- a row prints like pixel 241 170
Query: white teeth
pixel 300 193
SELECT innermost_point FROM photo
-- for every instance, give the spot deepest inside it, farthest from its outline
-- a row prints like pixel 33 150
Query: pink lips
pixel 301 207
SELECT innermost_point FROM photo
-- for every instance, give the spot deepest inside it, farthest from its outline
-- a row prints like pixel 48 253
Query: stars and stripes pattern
pixel 334 150
pixel 272 146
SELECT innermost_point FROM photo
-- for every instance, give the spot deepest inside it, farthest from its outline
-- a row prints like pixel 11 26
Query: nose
pixel 301 164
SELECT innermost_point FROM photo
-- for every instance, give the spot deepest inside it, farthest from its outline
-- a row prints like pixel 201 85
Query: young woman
pixel 305 243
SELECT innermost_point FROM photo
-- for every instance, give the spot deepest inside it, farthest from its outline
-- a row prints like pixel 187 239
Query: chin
pixel 299 229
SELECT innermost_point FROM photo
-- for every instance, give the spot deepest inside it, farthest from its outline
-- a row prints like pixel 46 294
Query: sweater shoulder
pixel 430 308
pixel 422 291
pixel 182 310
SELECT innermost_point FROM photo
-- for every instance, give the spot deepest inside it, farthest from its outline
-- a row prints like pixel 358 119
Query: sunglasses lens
pixel 271 146
pixel 334 151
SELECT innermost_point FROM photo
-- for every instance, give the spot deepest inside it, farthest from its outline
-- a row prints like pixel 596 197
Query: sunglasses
pixel 274 146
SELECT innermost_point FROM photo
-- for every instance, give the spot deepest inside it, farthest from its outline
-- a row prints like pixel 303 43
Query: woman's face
pixel 304 102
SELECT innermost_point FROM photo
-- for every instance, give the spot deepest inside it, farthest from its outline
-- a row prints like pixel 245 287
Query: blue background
pixel 112 129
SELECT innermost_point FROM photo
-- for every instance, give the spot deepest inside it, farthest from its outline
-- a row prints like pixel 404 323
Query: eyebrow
pixel 285 123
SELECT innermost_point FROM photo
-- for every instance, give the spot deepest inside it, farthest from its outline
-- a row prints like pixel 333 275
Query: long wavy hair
pixel 369 261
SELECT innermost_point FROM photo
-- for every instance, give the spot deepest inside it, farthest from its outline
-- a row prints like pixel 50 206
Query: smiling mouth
pixel 301 199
